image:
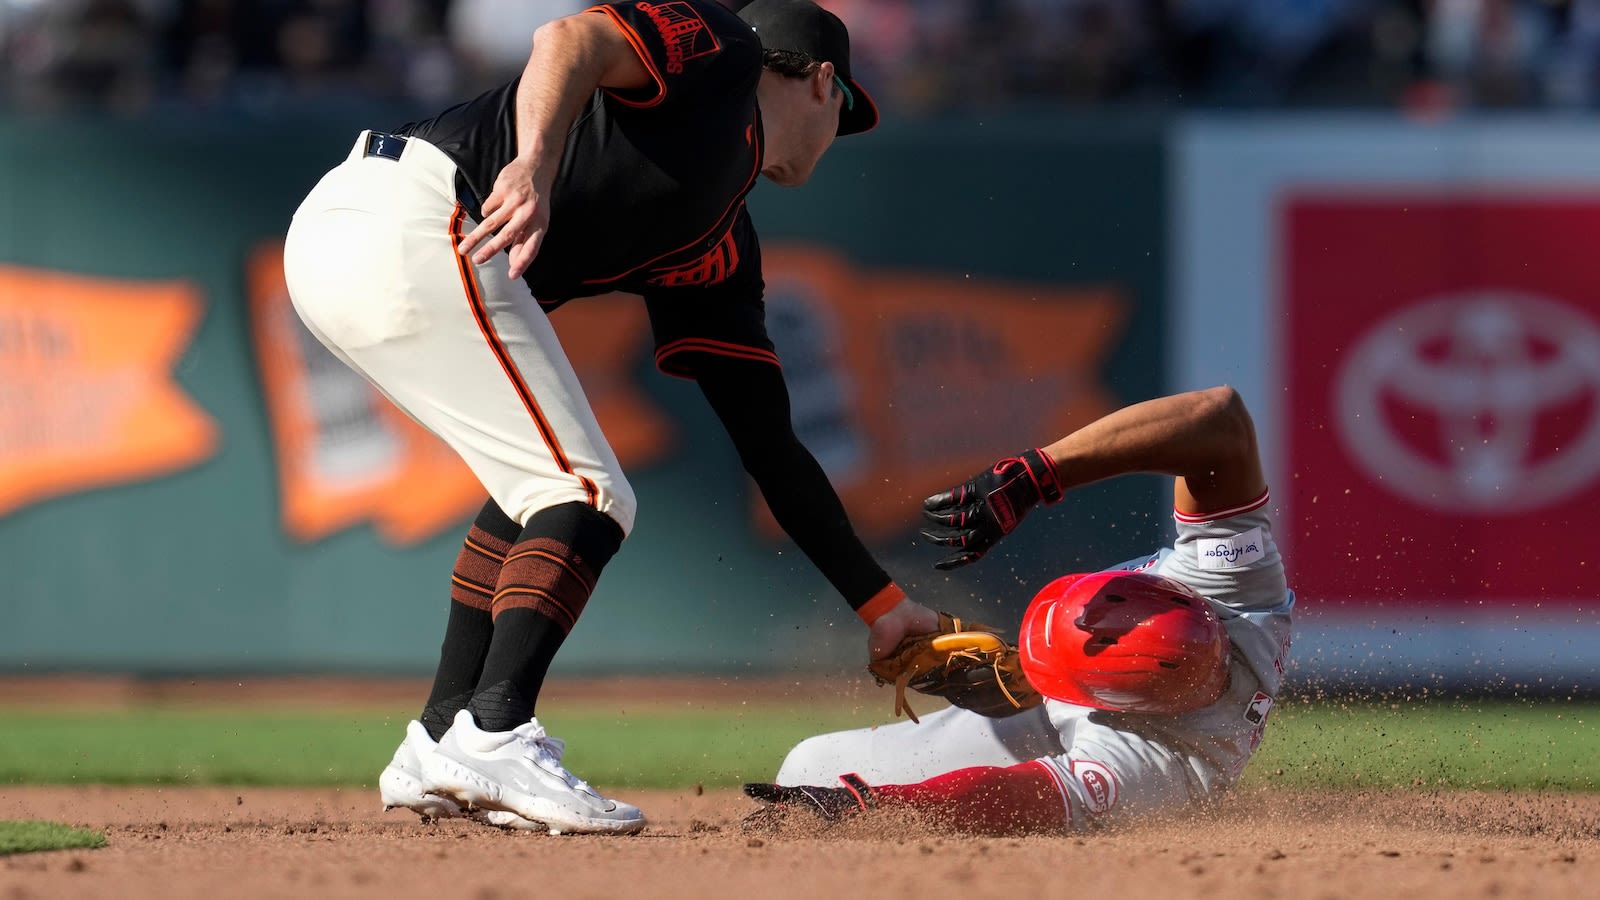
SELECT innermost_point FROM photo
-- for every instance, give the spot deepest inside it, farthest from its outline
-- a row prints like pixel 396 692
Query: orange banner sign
pixel 346 455
pixel 904 382
pixel 87 397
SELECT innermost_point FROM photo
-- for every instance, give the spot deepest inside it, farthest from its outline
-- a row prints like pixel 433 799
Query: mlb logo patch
pixel 1256 712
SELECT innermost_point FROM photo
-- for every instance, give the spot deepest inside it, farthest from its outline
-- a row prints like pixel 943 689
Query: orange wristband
pixel 881 602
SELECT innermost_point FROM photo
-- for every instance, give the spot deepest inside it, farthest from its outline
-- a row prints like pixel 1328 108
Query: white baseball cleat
pixel 403 784
pixel 520 772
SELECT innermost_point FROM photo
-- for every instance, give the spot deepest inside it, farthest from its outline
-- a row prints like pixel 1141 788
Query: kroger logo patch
pixel 1232 552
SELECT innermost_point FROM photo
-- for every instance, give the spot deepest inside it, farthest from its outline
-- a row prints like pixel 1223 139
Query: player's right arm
pixel 644 56
pixel 572 57
pixel 1205 438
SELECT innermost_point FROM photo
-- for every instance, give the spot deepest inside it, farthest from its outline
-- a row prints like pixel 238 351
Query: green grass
pixel 654 748
pixel 1512 745
pixel 1472 744
pixel 26 837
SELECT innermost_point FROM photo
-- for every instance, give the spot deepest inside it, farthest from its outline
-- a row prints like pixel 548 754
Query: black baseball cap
pixel 804 27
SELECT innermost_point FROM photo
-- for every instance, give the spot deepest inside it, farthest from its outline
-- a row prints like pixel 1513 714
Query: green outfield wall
pixel 148 515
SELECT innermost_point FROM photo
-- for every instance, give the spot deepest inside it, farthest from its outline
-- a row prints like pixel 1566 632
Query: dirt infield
pixel 330 844
pixel 210 843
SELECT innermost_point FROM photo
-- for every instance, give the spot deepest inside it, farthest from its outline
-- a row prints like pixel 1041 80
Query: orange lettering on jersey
pixel 712 268
pixel 684 33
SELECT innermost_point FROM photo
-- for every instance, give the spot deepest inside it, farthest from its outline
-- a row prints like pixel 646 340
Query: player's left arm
pixel 751 399
pixel 716 335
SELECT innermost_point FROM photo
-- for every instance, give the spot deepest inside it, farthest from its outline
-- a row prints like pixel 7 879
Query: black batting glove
pixel 827 804
pixel 975 514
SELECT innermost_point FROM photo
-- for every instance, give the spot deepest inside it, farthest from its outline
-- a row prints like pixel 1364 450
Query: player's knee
pixel 620 503
pixel 815 760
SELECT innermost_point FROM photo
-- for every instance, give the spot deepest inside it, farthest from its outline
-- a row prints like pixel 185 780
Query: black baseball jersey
pixel 650 195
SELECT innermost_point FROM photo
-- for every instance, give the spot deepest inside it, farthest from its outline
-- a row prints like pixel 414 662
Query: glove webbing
pixel 951 626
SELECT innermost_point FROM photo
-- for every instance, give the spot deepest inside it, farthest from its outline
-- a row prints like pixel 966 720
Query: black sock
pixel 470 628
pixel 544 585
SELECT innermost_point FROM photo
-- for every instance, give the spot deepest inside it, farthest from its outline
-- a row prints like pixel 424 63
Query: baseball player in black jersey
pixel 618 161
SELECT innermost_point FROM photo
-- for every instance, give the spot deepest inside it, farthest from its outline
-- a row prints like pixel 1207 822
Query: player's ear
pixel 822 85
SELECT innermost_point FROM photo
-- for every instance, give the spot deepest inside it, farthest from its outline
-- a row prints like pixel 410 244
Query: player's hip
pixel 405 180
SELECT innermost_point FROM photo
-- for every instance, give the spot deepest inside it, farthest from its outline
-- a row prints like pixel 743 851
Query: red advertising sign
pixel 1441 356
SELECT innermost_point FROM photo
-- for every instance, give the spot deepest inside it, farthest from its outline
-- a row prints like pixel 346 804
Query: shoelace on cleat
pixel 547 751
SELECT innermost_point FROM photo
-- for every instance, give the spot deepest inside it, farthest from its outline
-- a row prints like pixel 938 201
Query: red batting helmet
pixel 1124 641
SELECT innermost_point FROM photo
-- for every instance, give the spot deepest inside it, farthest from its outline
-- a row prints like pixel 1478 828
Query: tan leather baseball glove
pixel 966 663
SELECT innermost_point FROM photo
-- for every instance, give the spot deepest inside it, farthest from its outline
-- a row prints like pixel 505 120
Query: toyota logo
pixel 1487 402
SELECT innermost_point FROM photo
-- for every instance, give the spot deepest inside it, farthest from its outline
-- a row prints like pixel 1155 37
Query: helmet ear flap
pixel 1124 641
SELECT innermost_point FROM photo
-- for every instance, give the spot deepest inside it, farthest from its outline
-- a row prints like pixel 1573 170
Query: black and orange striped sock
pixel 544 585
pixel 470 628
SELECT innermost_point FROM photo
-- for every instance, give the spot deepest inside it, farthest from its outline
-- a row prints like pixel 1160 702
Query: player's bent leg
pixel 984 799
pixel 905 752
pixel 1111 772
pixel 372 268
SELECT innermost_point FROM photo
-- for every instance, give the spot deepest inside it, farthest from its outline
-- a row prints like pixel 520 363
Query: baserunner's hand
pixel 516 215
pixel 975 514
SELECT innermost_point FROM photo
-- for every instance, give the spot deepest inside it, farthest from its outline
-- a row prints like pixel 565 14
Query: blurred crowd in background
pixel 918 56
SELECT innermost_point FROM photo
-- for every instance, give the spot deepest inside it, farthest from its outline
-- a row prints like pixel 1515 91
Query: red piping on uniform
pixel 480 312
pixel 644 56
pixel 735 203
pixel 1194 518
pixel 715 348
pixel 718 348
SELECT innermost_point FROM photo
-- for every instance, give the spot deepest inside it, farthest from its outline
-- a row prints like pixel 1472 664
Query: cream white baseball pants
pixel 373 271
pixel 1105 766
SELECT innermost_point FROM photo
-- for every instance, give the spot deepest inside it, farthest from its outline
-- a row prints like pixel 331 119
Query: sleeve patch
pixel 1100 788
pixel 684 33
pixel 1233 552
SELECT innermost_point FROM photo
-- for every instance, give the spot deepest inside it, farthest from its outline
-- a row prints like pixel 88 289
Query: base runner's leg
pixel 907 752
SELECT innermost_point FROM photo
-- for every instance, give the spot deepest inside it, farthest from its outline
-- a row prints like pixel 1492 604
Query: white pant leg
pixel 908 752
pixel 464 350
pixel 1107 767
pixel 1110 772
pixel 1118 766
